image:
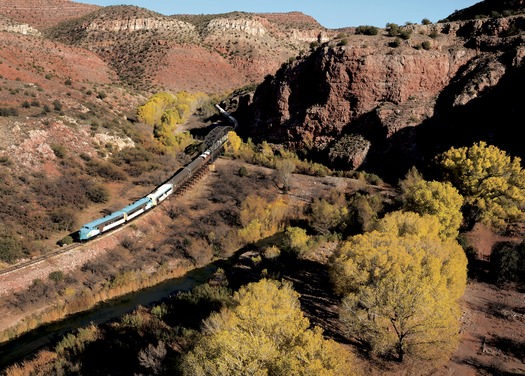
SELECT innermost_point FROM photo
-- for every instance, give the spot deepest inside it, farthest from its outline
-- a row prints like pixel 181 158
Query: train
pixel 157 196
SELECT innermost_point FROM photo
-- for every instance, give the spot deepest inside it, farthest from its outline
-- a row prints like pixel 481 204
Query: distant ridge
pixel 489 8
pixel 43 14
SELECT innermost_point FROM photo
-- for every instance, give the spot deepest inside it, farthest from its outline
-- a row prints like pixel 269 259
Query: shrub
pixel 56 276
pixel 63 219
pixel 59 150
pixel 426 45
pixel 314 45
pixel 57 105
pixel 8 112
pixel 10 248
pixel 508 262
pixel 98 194
pixel 5 161
pixel 395 43
pixel 66 240
pixel 392 29
pixel 426 21
pixel 105 170
pixel 405 34
pixel 367 30
pixel 243 171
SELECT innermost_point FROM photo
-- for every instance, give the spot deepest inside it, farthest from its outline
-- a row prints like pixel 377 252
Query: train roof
pixel 108 218
pixel 136 204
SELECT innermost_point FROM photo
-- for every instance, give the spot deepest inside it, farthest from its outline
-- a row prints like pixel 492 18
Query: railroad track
pixel 36 260
pixel 214 136
pixel 180 191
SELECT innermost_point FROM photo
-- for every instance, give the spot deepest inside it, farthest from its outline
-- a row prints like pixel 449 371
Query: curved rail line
pixel 211 138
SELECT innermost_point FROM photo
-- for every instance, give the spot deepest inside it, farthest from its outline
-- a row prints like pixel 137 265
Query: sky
pixel 332 14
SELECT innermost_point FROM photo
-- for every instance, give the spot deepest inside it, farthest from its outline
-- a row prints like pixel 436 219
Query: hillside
pixel 69 90
pixel 149 50
pixel 489 8
pixel 42 14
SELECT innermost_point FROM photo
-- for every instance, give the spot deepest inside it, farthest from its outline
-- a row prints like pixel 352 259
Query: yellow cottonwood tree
pixel 155 108
pixel 435 198
pixel 265 333
pixel 400 286
pixel 260 218
pixel 489 179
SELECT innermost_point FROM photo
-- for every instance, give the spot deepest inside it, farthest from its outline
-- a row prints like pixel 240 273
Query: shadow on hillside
pixel 495 368
pixel 310 279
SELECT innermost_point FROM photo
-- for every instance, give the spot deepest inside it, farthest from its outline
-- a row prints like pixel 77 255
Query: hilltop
pixel 42 14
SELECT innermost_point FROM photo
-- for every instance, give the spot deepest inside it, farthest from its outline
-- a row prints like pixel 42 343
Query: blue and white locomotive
pixel 113 220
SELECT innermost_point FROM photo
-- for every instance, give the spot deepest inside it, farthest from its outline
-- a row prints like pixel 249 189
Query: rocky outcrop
pixel 368 88
pixel 246 26
pixel 14 27
pixel 139 24
pixel 321 96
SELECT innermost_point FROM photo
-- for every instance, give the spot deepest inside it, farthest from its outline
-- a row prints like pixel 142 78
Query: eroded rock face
pixel 138 24
pixel 366 87
pixel 11 26
pixel 321 96
pixel 246 26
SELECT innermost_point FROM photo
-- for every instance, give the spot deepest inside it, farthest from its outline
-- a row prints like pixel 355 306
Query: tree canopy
pixel 260 218
pixel 265 333
pixel 435 198
pixel 163 111
pixel 328 215
pixel 491 181
pixel 400 286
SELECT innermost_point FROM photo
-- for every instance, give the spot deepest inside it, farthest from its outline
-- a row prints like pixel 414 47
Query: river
pixel 27 344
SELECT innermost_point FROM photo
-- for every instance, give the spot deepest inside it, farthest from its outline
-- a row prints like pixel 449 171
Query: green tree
pixel 400 286
pixel 265 333
pixel 435 198
pixel 491 182
pixel 326 217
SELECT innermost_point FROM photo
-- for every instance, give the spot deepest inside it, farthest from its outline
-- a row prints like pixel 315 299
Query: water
pixel 27 344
